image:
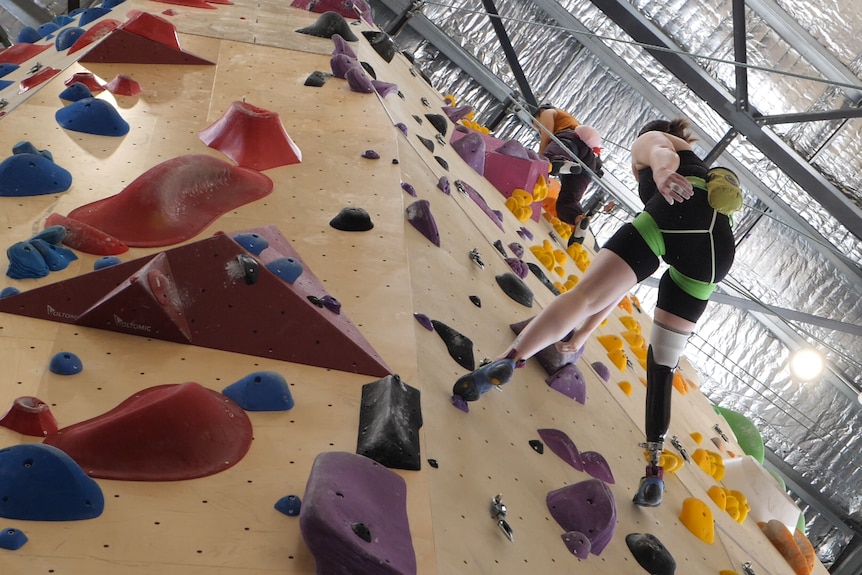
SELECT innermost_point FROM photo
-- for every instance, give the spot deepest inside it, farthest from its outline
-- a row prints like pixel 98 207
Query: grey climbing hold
pixel 390 415
pixel 329 24
pixel 352 219
pixel 460 346
pixel 316 79
pixel 537 271
pixel 651 554
pixel 443 163
pixel 439 122
pixel 426 142
pixel 515 288
pixel 382 44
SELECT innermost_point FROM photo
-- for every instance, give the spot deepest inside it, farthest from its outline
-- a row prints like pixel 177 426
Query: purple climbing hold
pixel 514 149
pixel 597 466
pixel 331 304
pixel 344 491
pixel 384 88
pixel 517 249
pixel 358 80
pixel 401 126
pixel 569 381
pixel 525 233
pixel 562 445
pixel 578 543
pixel 471 148
pixel 340 64
pixel 420 217
pixel 519 267
pixel 602 370
pixel 424 321
pixel 460 403
pixel 495 216
pixel 370 155
pixel 457 113
pixel 341 46
pixel 443 185
pixel 587 507
pixel 409 189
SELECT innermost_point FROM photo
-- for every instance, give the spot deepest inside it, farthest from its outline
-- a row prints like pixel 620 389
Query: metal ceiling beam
pixel 810 116
pixel 627 17
pixel 806 45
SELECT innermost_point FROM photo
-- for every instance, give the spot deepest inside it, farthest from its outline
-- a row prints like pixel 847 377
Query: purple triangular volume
pixel 420 217
pixel 577 543
pixel 549 358
pixel 597 466
pixel 224 305
pixel 515 149
pixel 457 113
pixel 560 443
pixel 569 381
pixel 483 205
pixel 471 148
pixel 587 507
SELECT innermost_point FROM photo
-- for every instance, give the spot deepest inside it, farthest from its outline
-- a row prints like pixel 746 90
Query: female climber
pixel 684 222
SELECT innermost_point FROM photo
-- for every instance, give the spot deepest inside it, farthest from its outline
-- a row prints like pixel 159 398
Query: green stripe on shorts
pixel 695 288
pixel 648 229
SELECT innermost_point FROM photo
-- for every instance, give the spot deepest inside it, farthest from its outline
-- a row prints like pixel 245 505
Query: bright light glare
pixel 806 364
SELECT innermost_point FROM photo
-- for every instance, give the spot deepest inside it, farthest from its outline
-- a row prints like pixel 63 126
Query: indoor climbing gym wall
pixel 250 250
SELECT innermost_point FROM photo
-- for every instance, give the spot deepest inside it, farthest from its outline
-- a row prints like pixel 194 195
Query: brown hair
pixel 678 127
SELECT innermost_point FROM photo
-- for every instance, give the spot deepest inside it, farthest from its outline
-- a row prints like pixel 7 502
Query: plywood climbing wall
pixel 226 523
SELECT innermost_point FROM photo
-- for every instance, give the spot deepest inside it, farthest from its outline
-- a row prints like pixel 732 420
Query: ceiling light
pixel 806 364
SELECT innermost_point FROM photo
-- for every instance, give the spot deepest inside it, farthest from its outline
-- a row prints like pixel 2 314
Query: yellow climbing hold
pixel 560 271
pixel 619 359
pixel 560 256
pixel 631 323
pixel 540 190
pixel 640 353
pixel 571 282
pixel 710 462
pixel 727 572
pixel 610 342
pixel 669 461
pixel 698 437
pixel 634 339
pixel 697 517
pixel 626 304
pixel 679 383
pixel 718 494
pixel 626 387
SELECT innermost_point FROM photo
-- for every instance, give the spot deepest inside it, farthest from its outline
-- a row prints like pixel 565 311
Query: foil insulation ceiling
pixel 741 354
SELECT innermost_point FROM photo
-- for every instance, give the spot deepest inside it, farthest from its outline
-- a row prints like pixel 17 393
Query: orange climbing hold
pixel 610 342
pixel 783 540
pixel 626 304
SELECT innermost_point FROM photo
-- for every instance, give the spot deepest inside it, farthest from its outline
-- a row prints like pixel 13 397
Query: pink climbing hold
pixel 174 201
pixel 30 416
pixel 123 85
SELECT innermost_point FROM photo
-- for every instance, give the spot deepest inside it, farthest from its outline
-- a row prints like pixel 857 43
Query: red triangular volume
pixel 144 39
pixel 147 304
pixel 223 307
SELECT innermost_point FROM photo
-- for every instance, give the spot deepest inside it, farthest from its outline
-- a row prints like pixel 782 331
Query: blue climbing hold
pixel 41 483
pixel 289 505
pixel 111 3
pixel 46 29
pixel 106 262
pixel 9 291
pixel 7 67
pixel 51 234
pixel 67 37
pixel 12 539
pixel 32 175
pixel 28 35
pixel 90 14
pixel 5 84
pixel 92 116
pixel 65 363
pixel 62 19
pixel 287 269
pixel 56 257
pixel 253 243
pixel 27 147
pixel 25 262
pixel 76 91
pixel 261 391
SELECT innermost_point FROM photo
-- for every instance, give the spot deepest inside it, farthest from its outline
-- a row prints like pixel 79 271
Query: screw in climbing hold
pixel 498 512
pixel 675 442
pixel 477 258
pixel 748 569
pixel 719 431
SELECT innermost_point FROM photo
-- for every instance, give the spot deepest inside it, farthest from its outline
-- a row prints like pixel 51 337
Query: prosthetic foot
pixel 651 488
pixel 472 385
pixel 563 167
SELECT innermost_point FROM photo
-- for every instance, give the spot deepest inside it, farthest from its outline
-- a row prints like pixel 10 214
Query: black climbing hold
pixel 401 95
pixel 426 142
pixel 433 463
pixel 382 44
pixel 317 79
pixel 460 346
pixel 329 24
pixel 476 301
pixel 315 300
pixel 499 245
pixel 442 162
pixel 425 102
pixel 390 416
pixel 439 121
pixel 370 155
pixel 395 161
pixel 417 118
pixel 651 554
pixel 515 288
pixel 352 220
pixel 368 69
pixel 537 271
pixel 362 531
pixel 250 268
pixel 537 446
